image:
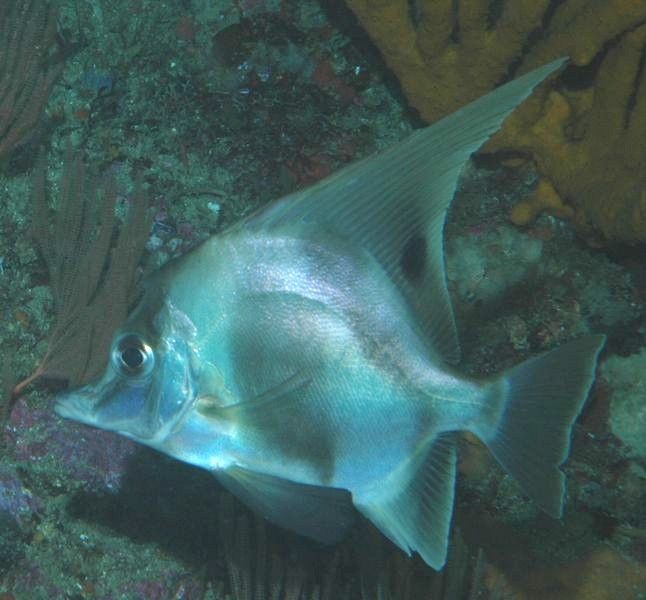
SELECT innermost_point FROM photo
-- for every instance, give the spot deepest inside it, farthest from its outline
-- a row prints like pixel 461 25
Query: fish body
pixel 294 318
pixel 305 356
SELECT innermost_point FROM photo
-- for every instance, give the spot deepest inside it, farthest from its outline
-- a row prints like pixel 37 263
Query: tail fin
pixel 543 398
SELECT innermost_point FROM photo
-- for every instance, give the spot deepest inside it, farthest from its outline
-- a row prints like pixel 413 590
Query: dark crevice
pixel 496 10
pixel 546 21
pixel 576 77
pixel 533 38
pixel 496 160
pixel 455 32
pixel 342 17
pixel 632 101
pixel 414 13
pixel 580 77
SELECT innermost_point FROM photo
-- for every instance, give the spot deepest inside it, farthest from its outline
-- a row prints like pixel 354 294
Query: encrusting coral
pixel 587 140
pixel 591 146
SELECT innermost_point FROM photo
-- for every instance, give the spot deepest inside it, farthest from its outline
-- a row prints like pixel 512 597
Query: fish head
pixel 149 382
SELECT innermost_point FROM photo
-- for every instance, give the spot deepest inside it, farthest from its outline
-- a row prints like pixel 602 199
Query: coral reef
pixel 587 140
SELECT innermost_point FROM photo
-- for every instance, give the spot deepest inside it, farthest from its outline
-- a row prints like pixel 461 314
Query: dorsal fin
pixel 394 204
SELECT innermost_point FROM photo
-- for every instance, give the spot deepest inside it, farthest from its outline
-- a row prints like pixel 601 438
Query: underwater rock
pixel 93 460
pixel 17 503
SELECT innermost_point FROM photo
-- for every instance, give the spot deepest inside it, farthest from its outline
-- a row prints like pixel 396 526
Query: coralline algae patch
pixel 628 401
pixel 483 265
pixel 17 503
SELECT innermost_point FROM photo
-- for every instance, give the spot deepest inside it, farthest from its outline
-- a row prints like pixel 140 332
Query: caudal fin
pixel 543 398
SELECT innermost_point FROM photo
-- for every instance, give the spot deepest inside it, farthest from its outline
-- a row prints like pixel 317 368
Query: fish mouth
pixel 86 405
pixel 78 406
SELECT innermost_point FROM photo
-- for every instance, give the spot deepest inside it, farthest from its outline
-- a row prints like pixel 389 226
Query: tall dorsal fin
pixel 394 204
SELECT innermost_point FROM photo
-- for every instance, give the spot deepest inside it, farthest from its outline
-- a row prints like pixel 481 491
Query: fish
pixel 306 356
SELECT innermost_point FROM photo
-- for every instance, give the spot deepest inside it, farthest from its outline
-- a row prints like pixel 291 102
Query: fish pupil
pixel 132 357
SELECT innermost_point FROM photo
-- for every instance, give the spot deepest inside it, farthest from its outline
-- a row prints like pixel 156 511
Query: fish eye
pixel 132 355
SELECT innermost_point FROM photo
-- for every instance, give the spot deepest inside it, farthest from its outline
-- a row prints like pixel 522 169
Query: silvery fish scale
pixel 304 355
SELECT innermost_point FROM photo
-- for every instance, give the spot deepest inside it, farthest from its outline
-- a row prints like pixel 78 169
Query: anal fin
pixel 414 507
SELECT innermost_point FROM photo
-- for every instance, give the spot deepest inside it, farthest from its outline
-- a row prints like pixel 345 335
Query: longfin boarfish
pixel 305 355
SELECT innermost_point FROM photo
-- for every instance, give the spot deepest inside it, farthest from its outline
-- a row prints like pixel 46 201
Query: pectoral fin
pixel 321 513
pixel 263 407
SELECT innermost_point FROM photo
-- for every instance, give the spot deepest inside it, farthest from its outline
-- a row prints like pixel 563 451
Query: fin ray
pixel 255 410
pixel 416 508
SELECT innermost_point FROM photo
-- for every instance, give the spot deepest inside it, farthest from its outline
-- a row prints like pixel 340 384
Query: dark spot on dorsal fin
pixel 413 258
